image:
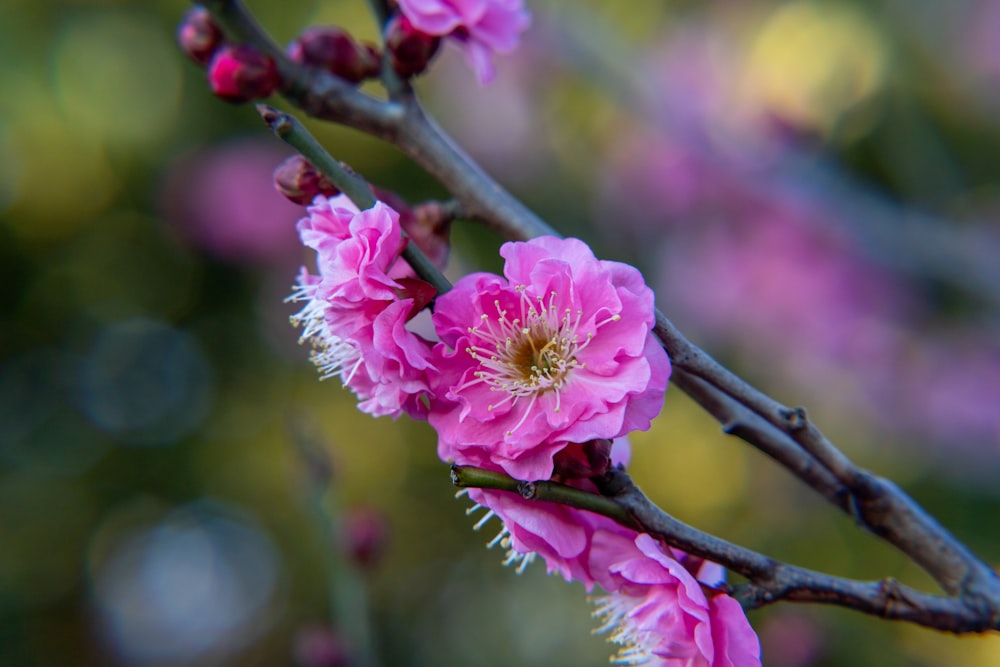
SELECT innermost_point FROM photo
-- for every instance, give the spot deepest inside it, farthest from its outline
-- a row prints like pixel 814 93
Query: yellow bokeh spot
pixel 64 178
pixel 118 77
pixel 686 465
pixel 812 62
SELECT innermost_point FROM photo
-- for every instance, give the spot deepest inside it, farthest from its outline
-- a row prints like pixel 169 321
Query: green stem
pixel 287 128
pixel 553 492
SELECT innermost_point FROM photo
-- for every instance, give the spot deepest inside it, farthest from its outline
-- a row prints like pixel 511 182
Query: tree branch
pixel 769 580
pixel 783 433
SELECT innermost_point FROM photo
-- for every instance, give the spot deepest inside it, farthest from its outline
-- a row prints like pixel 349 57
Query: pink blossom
pixel 557 351
pixel 355 314
pixel 481 27
pixel 661 615
pixel 566 538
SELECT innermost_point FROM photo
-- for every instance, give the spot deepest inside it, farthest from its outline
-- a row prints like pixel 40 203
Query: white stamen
pixel 531 354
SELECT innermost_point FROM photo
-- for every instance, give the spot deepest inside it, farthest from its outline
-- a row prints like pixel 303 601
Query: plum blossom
pixel 481 27
pixel 557 351
pixel 660 604
pixel 661 615
pixel 355 312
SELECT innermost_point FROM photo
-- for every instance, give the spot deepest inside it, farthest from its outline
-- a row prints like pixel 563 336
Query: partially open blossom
pixel 241 73
pixel 334 50
pixel 557 351
pixel 198 35
pixel 300 181
pixel 661 615
pixel 355 314
pixel 480 27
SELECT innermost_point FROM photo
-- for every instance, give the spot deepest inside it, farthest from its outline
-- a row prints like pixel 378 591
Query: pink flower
pixel 482 27
pixel 355 314
pixel 661 615
pixel 557 351
pixel 564 537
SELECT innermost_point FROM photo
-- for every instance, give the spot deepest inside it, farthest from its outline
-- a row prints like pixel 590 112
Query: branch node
pixel 795 418
pixel 528 490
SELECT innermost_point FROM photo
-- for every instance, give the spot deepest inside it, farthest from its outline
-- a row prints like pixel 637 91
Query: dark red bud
pixel 365 535
pixel 318 646
pixel 333 49
pixel 411 49
pixel 300 182
pixel 198 35
pixel 240 74
pixel 430 228
pixel 583 460
pixel 420 291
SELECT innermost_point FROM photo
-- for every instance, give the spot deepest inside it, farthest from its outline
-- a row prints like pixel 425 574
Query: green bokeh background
pixel 97 108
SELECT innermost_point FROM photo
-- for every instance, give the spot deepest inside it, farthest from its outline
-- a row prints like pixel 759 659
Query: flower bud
pixel 365 536
pixel 582 460
pixel 300 181
pixel 427 224
pixel 240 74
pixel 198 35
pixel 334 50
pixel 411 49
pixel 318 646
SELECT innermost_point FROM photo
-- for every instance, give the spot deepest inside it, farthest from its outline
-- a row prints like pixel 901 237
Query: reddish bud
pixel 411 49
pixel 318 646
pixel 334 50
pixel 427 224
pixel 365 535
pixel 198 35
pixel 240 74
pixel 420 291
pixel 583 460
pixel 300 181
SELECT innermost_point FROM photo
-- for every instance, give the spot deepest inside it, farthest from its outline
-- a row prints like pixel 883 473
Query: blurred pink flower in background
pixel 756 258
pixel 222 201
pixel 792 640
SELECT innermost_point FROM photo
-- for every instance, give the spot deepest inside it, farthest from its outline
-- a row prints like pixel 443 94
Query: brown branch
pixel 769 580
pixel 783 433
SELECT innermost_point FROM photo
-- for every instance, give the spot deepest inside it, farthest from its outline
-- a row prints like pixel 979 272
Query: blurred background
pixel 813 189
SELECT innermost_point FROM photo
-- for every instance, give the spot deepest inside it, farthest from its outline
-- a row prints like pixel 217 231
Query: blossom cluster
pixel 533 373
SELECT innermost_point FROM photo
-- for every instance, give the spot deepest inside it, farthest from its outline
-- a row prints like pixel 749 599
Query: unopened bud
pixel 365 536
pixel 240 74
pixel 411 49
pixel 334 50
pixel 198 35
pixel 300 181
pixel 583 460
pixel 427 224
pixel 318 646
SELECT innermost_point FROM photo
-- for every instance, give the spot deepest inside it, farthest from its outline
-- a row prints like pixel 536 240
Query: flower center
pixel 528 353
